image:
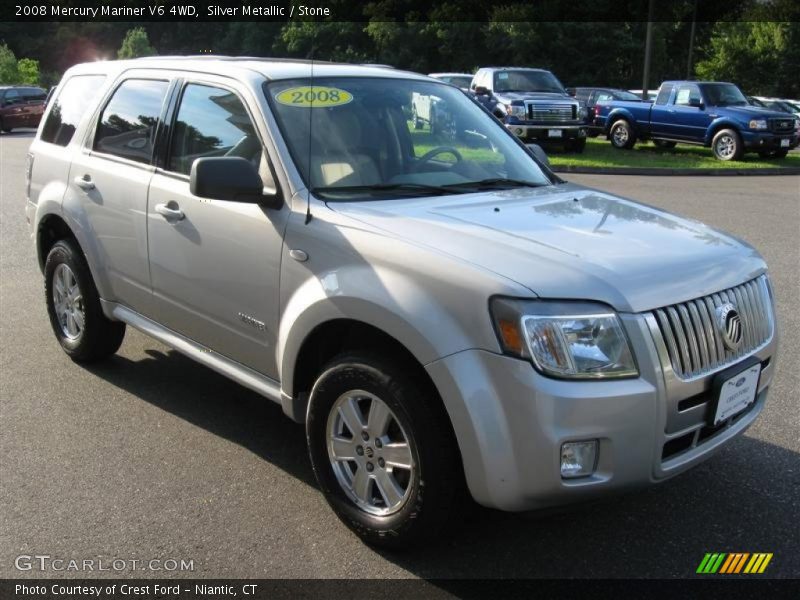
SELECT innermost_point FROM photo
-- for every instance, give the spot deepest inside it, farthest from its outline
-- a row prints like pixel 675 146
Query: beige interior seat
pixel 340 164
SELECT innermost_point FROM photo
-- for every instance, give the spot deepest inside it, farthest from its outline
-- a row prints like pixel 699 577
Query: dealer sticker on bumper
pixel 785 143
pixel 554 133
pixel 737 393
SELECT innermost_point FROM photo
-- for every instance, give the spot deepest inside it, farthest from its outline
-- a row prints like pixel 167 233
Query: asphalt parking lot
pixel 152 456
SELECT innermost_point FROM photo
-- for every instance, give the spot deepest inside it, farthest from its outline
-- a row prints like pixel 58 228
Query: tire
pixel 664 144
pixel 622 135
pixel 773 153
pixel 83 331
pixel 727 145
pixel 427 496
pixel 577 145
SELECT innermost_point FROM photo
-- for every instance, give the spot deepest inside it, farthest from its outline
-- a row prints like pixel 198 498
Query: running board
pixel 229 368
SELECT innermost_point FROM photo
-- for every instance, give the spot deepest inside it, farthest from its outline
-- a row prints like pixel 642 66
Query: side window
pixel 688 95
pixel 12 97
pixel 212 122
pixel 34 94
pixel 664 93
pixel 127 126
pixel 71 102
pixel 603 97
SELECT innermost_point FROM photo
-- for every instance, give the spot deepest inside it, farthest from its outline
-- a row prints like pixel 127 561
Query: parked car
pixel 460 80
pixel 651 94
pixel 21 106
pixel 712 114
pixel 780 105
pixel 533 104
pixel 590 96
pixel 443 321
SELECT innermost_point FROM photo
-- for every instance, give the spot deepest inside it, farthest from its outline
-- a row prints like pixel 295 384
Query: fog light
pixel 519 131
pixel 578 459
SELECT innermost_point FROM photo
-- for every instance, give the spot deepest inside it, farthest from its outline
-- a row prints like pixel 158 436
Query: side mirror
pixel 571 92
pixel 231 178
pixel 481 90
pixel 539 154
pixel 696 102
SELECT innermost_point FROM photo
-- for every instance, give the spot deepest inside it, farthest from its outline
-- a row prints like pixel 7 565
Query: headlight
pixel 582 112
pixel 515 110
pixel 575 340
pixel 758 124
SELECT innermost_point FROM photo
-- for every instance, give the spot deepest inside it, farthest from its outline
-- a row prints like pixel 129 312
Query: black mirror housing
pixel 539 153
pixel 230 178
pixel 481 90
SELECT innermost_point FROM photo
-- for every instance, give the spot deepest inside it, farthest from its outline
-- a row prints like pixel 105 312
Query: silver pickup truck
pixel 446 320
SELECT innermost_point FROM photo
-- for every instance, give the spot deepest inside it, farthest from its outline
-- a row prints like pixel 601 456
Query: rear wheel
pixel 664 144
pixel 73 305
pixel 727 145
pixel 622 135
pixel 4 128
pixel 383 451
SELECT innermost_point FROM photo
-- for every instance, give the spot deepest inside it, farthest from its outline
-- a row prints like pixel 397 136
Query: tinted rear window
pixel 664 93
pixel 71 102
pixel 127 127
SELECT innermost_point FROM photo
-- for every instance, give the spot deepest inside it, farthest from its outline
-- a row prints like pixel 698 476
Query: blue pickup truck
pixel 711 114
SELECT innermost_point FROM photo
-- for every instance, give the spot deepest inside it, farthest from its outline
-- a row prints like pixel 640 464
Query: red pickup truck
pixel 21 107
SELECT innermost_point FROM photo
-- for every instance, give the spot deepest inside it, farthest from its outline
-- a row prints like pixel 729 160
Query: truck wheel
pixel 727 145
pixel 577 145
pixel 383 451
pixel 622 135
pixel 664 144
pixel 415 118
pixel 83 331
pixel 773 153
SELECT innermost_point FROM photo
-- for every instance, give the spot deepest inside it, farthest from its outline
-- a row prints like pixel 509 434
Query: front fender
pixel 722 122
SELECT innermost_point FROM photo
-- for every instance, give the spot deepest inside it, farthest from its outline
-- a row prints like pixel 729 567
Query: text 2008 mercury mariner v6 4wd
pixel 443 313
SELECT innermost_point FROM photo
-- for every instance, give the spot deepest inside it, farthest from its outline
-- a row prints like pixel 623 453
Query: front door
pixel 215 264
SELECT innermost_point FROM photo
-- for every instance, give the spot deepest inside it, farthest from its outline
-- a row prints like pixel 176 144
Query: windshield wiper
pixel 497 182
pixel 420 188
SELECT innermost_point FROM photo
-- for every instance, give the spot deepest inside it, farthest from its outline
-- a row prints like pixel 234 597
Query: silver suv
pixel 445 315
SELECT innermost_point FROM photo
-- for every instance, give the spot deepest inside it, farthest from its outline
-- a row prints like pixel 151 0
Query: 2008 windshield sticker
pixel 314 97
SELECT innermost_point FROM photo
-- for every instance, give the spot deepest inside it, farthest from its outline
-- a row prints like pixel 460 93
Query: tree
pixel 8 66
pixel 28 70
pixel 136 44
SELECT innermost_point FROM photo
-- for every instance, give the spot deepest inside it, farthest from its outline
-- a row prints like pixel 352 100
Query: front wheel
pixel 727 145
pixel 622 135
pixel 383 451
pixel 73 304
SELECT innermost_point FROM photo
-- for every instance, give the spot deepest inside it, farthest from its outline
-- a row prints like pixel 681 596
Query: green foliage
pixel 136 44
pixel 28 70
pixel 8 66
pixel 757 55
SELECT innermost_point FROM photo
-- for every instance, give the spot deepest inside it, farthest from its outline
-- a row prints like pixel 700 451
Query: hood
pixel 569 242
pixel 508 97
pixel 752 112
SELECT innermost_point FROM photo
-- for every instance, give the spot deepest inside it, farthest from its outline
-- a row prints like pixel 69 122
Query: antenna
pixel 310 124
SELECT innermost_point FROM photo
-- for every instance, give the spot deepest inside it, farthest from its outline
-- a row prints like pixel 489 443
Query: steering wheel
pixel 436 152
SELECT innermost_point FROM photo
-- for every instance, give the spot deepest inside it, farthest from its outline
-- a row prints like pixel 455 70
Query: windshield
pixel 526 81
pixel 723 94
pixel 459 81
pixel 369 138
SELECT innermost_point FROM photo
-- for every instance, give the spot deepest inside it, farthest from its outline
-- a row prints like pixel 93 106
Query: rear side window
pixel 664 93
pixel 127 126
pixel 12 97
pixel 71 102
pixel 212 122
pixel 34 94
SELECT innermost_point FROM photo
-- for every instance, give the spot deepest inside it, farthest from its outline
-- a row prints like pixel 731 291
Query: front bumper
pixel 769 141
pixel 543 134
pixel 510 422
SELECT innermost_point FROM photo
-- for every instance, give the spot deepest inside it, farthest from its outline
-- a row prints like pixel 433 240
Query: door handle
pixel 85 183
pixel 175 214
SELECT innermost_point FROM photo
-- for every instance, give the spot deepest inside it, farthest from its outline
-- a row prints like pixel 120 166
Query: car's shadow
pixel 745 499
pixel 20 133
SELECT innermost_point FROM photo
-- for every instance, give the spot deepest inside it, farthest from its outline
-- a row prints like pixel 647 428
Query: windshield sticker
pixel 502 75
pixel 314 97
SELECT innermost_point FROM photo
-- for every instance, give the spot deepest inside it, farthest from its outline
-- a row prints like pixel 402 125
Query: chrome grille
pixel 554 113
pixel 694 343
pixel 782 125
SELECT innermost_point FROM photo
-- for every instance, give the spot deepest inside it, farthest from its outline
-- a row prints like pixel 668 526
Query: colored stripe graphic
pixel 734 562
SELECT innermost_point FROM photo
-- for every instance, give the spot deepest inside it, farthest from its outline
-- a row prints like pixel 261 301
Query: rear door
pixel 215 264
pixel 110 178
pixel 687 121
pixel 13 110
pixel 662 112
pixel 34 105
